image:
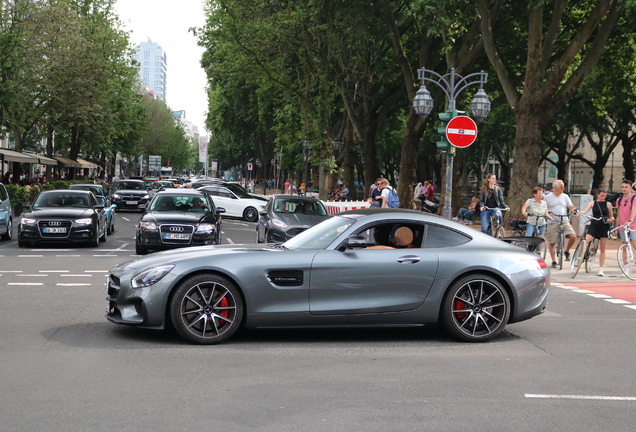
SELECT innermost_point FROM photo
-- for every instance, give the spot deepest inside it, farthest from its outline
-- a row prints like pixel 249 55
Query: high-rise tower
pixel 153 63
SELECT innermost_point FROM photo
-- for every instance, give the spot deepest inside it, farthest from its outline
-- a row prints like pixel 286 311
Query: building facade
pixel 153 68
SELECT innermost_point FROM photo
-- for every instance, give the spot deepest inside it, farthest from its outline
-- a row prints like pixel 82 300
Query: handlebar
pixel 496 208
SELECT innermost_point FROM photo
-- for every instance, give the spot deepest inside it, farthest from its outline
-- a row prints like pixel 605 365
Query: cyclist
pixel 537 206
pixel 491 196
pixel 558 204
pixel 626 213
pixel 599 227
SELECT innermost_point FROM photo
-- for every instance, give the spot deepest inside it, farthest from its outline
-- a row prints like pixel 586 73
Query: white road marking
pixel 73 284
pixel 67 255
pixel 617 301
pixel 30 256
pixel 581 397
pixel 50 250
pixel 76 275
pixel 583 291
pixel 26 283
pixel 122 246
pixel 229 240
pixel 104 255
pixel 126 219
pixel 631 306
pixel 11 271
pixel 603 296
pixel 32 275
pixel 53 271
pixel 96 271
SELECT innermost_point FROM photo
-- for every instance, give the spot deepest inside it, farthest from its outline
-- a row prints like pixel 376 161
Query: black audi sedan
pixel 63 216
pixel 178 218
pixel 130 194
pixel 287 216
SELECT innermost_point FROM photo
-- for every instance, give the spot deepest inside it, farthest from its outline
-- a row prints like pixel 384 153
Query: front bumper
pixel 75 234
pixel 129 203
pixel 154 239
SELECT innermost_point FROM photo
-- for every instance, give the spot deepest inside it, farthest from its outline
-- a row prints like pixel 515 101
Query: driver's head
pixel 197 202
pixel 403 236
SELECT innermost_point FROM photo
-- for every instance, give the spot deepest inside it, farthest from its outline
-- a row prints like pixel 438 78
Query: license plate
pixel 176 236
pixel 54 230
pixel 131 202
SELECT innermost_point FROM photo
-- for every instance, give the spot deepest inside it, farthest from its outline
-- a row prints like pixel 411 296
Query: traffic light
pixel 445 117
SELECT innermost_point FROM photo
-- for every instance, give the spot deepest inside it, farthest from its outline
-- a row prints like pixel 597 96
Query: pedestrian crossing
pixel 60 278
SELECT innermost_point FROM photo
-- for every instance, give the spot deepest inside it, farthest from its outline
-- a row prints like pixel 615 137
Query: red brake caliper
pixel 458 304
pixel 224 313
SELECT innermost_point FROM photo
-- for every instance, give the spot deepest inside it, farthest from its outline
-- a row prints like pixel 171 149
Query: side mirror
pixel 113 206
pixel 220 209
pixel 263 213
pixel 26 206
pixel 353 242
pixel 142 206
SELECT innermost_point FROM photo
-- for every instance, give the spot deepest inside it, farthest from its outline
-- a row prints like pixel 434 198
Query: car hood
pixel 258 197
pixel 131 192
pixel 185 254
pixel 293 219
pixel 163 217
pixel 58 213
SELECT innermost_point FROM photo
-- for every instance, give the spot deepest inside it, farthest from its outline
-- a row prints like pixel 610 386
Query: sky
pixel 166 22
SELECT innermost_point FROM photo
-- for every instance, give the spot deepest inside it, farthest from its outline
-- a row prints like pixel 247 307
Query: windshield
pixel 62 200
pixel 238 190
pixel 298 206
pixel 180 203
pixel 128 185
pixel 320 236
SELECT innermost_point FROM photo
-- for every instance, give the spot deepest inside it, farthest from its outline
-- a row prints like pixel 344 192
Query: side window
pixel 438 236
pixel 3 193
pixel 394 235
pixel 213 192
pixel 225 193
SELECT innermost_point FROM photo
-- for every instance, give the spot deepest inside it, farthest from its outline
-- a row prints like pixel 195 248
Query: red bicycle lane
pixel 620 290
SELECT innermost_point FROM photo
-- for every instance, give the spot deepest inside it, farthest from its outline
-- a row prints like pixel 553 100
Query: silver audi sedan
pixel 369 267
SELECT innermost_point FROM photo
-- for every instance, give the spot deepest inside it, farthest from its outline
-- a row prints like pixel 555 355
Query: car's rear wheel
pixel 9 234
pixel 250 214
pixel 111 228
pixel 476 308
pixel 139 249
pixel 206 309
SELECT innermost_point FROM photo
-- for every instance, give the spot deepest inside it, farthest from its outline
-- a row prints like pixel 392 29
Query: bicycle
pixel 626 254
pixel 560 244
pixel 495 229
pixel 585 251
pixel 540 248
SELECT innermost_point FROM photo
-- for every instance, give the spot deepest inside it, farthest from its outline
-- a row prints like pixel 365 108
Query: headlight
pixel 279 223
pixel 205 228
pixel 87 221
pixel 28 221
pixel 150 276
pixel 145 197
pixel 150 226
pixel 116 195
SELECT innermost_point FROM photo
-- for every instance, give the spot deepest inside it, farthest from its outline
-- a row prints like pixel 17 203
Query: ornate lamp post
pixel 306 153
pixel 452 85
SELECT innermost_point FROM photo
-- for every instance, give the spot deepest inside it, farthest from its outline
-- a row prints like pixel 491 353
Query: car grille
pixel 295 231
pixel 176 234
pixel 131 197
pixel 55 224
pixel 113 287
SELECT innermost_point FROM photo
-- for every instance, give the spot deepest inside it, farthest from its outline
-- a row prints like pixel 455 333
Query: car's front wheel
pixel 9 234
pixel 476 308
pixel 250 214
pixel 140 250
pixel 206 309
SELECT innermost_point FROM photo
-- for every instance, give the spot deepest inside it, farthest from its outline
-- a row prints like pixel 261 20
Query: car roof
pixel 296 197
pixel 62 191
pixel 179 191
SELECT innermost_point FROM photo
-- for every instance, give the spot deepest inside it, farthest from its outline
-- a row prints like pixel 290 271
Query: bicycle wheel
pixel 577 258
pixel 591 256
pixel 560 249
pixel 542 249
pixel 627 261
pixel 500 232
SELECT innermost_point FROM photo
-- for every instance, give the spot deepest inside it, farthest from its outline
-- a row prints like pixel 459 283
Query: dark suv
pixel 6 223
pixel 130 194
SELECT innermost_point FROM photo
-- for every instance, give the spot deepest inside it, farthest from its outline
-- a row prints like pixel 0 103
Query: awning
pixel 14 156
pixel 42 160
pixel 87 164
pixel 68 162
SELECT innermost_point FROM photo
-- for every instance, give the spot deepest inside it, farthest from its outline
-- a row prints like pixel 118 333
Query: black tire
pixel 475 309
pixel 111 228
pixel 560 251
pixel 577 258
pixel 206 309
pixel 22 243
pixel 250 214
pixel 9 234
pixel 500 232
pixel 140 250
pixel 95 241
pixel 104 234
pixel 258 238
pixel 590 264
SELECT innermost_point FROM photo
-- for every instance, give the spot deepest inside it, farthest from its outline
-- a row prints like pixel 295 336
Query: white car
pixel 236 201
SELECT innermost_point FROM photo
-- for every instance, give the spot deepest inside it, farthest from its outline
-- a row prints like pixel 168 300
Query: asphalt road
pixel 65 368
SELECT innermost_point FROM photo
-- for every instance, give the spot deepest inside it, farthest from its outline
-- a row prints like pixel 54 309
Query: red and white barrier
pixel 337 207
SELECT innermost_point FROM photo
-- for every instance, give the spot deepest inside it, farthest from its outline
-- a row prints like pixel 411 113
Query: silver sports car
pixel 370 267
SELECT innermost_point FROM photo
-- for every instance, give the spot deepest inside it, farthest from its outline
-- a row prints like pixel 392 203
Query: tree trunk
pixel 408 162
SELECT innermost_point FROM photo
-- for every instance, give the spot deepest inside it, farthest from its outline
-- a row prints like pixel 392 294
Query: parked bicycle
pixel 626 253
pixel 585 251
pixel 495 229
pixel 560 244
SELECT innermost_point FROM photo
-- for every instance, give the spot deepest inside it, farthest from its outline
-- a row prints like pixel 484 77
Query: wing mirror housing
pixel 354 242
pixel 220 209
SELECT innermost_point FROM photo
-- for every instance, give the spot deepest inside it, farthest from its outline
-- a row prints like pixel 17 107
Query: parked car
pixel 109 209
pixel 286 216
pixel 97 189
pixel 236 201
pixel 369 267
pixel 177 218
pixel 130 194
pixel 6 219
pixel 63 216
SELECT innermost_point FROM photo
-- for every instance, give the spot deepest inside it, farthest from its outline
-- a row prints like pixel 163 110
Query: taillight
pixel 542 264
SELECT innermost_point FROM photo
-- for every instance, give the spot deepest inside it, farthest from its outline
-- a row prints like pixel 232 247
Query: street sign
pixel 461 131
pixel 250 166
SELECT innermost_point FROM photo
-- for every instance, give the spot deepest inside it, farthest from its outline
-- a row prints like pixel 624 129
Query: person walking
pixel 535 206
pixel 491 196
pixel 375 199
pixel 626 212
pixel 558 204
pixel 599 229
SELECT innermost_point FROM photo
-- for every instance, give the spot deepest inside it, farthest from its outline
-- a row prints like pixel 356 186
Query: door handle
pixel 409 258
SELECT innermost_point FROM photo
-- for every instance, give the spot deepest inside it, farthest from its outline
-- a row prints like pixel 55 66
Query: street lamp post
pixel 611 181
pixel 452 84
pixel 306 153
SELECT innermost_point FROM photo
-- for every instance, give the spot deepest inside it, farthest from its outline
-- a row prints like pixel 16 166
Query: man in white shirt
pixel 558 204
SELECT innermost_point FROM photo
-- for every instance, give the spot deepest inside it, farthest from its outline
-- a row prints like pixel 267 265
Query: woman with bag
pixel 599 229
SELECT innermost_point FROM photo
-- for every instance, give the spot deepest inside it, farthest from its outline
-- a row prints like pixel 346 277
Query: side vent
pixel 286 278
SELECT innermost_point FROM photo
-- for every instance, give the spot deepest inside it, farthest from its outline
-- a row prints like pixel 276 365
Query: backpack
pixel 631 202
pixel 393 201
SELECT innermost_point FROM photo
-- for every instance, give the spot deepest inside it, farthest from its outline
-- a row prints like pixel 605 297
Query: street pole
pixel 452 84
